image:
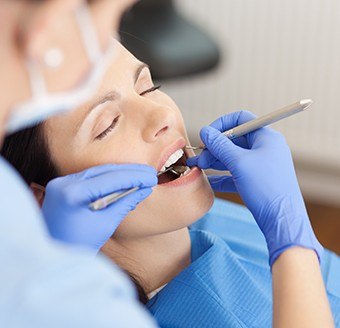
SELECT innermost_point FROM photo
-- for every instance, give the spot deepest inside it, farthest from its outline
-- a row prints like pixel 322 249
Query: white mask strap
pixel 90 42
pixel 38 86
pixel 88 32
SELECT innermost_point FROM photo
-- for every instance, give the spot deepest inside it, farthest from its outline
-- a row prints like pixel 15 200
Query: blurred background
pixel 218 56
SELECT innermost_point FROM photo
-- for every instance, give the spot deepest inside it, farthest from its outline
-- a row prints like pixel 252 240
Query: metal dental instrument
pixel 111 198
pixel 263 121
pixel 178 169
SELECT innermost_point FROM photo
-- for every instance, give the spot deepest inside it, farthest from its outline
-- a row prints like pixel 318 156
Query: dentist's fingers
pixel 222 183
pixel 220 146
pixel 220 151
pixel 205 161
pixel 217 143
pixel 107 183
pixel 86 190
pixel 229 121
pixel 193 161
pixel 106 168
pixel 125 205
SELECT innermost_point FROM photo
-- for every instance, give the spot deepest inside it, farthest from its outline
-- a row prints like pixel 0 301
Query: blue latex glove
pixel 66 202
pixel 263 174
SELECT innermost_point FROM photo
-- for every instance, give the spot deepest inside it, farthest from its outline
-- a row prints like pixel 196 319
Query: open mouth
pixel 177 159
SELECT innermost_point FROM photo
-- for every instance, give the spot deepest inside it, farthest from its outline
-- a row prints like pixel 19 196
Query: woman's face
pixel 131 121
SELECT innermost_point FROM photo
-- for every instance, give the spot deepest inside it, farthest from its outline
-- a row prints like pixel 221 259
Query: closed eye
pixel 115 121
pixel 108 130
pixel 154 88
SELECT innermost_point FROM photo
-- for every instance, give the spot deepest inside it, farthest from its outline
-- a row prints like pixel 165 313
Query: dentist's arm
pixel 47 284
pixel 263 174
pixel 300 298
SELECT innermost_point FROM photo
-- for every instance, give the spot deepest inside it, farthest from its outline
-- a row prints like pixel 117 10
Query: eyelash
pixel 108 130
pixel 154 88
pixel 114 122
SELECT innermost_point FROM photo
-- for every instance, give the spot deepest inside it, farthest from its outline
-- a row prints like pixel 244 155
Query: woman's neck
pixel 153 261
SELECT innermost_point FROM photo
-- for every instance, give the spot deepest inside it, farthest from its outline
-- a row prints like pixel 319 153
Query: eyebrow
pixel 139 70
pixel 109 96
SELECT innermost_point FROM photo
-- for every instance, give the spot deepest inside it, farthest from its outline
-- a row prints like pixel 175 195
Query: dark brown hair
pixel 28 152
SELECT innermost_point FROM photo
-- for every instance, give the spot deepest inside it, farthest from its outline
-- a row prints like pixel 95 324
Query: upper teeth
pixel 173 158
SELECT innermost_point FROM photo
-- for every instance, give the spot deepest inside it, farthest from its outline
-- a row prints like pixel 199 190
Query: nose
pixel 157 121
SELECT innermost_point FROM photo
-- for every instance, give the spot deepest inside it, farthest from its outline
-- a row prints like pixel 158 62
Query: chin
pixel 169 208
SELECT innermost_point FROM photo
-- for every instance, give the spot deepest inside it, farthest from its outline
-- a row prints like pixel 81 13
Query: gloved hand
pixel 263 174
pixel 66 202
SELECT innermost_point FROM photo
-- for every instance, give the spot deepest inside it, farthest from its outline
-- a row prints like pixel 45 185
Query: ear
pixel 39 192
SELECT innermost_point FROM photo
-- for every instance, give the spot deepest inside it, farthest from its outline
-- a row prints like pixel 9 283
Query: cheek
pixel 167 101
pixel 110 152
pixel 180 121
pixel 167 210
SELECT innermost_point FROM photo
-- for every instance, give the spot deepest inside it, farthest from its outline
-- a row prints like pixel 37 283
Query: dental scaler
pixel 263 121
pixel 112 198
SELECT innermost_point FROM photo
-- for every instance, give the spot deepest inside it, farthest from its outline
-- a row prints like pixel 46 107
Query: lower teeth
pixel 186 171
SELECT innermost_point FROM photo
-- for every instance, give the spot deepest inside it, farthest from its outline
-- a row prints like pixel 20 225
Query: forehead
pixel 122 68
pixel 123 62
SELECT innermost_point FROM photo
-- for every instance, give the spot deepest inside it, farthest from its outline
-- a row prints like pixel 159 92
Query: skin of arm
pixel 299 293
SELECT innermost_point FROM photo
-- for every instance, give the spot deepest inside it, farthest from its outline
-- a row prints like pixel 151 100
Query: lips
pixel 183 180
pixel 175 156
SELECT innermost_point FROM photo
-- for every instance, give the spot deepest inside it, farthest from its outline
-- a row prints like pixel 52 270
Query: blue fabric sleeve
pixel 45 284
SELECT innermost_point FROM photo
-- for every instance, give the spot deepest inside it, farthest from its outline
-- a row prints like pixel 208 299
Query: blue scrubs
pixel 228 283
pixel 46 284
